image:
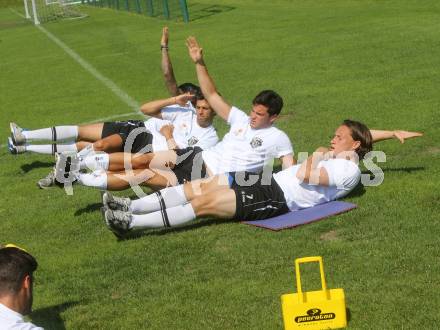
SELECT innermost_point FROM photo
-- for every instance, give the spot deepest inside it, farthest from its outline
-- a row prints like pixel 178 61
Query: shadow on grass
pixel 49 317
pixel 34 165
pixel 88 209
pixel 199 11
pixel 398 169
pixel 358 191
pixel 168 231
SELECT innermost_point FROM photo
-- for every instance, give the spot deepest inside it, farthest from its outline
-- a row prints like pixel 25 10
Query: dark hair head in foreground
pixel 16 270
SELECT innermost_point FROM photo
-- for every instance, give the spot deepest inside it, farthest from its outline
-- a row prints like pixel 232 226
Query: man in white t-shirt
pixel 251 143
pixel 16 284
pixel 328 174
pixel 191 130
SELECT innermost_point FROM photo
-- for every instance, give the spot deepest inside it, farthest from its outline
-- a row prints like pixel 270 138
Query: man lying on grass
pixel 252 141
pixel 328 174
pixel 183 120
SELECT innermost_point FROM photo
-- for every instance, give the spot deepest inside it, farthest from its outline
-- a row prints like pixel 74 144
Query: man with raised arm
pixel 329 174
pixel 251 143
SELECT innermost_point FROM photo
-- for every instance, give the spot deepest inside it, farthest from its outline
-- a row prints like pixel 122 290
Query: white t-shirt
pixel 244 148
pixel 11 320
pixel 186 133
pixel 343 176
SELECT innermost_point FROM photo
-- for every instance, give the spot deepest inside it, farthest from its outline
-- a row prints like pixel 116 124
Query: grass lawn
pixel 373 61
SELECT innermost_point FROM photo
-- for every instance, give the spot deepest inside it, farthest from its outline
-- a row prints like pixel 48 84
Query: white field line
pixel 127 99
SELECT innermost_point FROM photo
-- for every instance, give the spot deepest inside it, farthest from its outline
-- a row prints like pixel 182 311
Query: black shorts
pixel 260 200
pixel 189 164
pixel 143 139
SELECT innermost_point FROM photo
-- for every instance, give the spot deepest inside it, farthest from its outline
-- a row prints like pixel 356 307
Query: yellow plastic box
pixel 323 309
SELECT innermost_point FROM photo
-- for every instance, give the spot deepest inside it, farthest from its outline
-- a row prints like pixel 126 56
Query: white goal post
pixel 41 11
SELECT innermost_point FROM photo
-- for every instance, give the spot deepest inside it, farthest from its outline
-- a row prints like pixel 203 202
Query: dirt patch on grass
pixel 332 235
pixel 12 24
pixel 434 150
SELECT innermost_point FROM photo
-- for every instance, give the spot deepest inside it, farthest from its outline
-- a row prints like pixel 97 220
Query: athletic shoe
pixel 47 181
pixel 14 149
pixel 117 221
pixel 17 134
pixel 116 203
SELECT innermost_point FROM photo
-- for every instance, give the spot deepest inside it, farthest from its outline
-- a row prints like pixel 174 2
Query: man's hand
pixel 164 39
pixel 167 131
pixel 183 99
pixel 194 50
pixel 403 135
pixel 324 153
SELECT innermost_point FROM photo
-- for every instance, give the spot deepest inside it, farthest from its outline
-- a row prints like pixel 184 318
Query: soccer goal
pixel 41 11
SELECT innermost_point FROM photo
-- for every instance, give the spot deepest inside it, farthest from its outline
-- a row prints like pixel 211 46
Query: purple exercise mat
pixel 301 217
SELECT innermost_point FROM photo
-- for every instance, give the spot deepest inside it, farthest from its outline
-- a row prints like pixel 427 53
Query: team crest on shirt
pixel 192 141
pixel 256 142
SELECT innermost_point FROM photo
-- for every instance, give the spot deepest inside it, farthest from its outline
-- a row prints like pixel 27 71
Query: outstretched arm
pixel 154 108
pixel 387 135
pixel 220 106
pixel 167 67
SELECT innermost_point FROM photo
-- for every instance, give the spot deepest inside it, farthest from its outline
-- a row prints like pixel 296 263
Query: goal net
pixel 41 11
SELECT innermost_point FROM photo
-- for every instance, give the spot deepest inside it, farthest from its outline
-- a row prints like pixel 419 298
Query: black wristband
pixel 163 47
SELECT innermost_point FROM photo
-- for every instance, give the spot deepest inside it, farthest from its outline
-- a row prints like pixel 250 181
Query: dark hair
pixel 271 100
pixel 15 264
pixel 199 96
pixel 361 133
pixel 189 88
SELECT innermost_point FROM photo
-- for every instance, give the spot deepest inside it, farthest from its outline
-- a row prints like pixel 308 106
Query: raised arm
pixel 154 108
pixel 398 134
pixel 167 67
pixel 220 106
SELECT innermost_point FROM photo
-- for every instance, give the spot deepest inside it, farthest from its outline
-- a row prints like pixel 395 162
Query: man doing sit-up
pixel 328 174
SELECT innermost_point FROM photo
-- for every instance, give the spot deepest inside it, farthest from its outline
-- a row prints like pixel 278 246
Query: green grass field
pixel 369 60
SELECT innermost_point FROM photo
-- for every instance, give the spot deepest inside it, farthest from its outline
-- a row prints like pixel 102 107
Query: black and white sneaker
pixel 17 135
pixel 117 221
pixel 116 203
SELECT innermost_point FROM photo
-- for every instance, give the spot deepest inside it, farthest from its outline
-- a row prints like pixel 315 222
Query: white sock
pixel 97 179
pixel 176 216
pixel 53 133
pixel 51 149
pixel 94 162
pixel 172 196
pixel 87 151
